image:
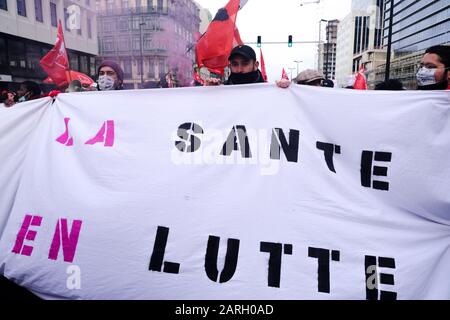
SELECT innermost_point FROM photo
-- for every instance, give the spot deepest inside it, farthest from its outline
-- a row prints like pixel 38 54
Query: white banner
pixel 240 192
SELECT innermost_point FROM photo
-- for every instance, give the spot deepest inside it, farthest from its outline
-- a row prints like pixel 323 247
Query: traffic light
pixel 258 42
pixel 290 41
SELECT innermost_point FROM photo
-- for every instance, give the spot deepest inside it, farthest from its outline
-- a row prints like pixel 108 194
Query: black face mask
pixel 437 86
pixel 244 78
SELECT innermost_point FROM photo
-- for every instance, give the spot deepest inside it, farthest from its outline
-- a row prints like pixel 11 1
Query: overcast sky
pixel 275 20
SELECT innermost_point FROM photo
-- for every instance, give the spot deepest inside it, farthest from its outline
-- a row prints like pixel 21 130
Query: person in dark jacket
pixel 243 66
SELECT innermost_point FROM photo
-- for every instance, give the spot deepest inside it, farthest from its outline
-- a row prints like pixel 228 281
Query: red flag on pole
pixel 220 38
pixel 75 75
pixel 263 65
pixel 360 81
pixel 284 75
pixel 56 62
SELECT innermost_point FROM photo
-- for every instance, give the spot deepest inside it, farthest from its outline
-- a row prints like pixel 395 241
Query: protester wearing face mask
pixel 28 90
pixel 110 76
pixel 434 70
pixel 243 66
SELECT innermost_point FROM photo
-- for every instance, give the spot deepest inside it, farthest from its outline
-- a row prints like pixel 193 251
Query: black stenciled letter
pixel 329 149
pixel 159 249
pixel 371 269
pixel 231 259
pixel 323 272
pixel 279 141
pixel 367 158
pixel 238 132
pixel 275 250
pixel 194 141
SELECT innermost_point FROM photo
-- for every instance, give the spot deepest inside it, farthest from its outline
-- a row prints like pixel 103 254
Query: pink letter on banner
pixel 64 138
pixel 108 127
pixel 69 241
pixel 25 234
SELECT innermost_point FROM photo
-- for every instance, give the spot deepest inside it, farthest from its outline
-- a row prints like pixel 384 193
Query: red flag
pixel 263 65
pixel 56 62
pixel 215 45
pixel 360 81
pixel 284 75
pixel 74 75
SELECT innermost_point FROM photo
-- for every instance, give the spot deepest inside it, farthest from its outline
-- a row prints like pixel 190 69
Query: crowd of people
pixel 433 74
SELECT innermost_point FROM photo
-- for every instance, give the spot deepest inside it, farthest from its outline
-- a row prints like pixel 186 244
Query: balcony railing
pixel 135 10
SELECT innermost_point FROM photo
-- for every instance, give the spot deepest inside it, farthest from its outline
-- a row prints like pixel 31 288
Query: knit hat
pixel 115 66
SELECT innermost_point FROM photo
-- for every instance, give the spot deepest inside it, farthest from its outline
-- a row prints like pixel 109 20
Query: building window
pixel 92 65
pixel 21 8
pixel 66 17
pixel 16 54
pixel 84 68
pixel 3 57
pixel 74 64
pixel 38 10
pixel 53 14
pixel 151 69
pixel 108 44
pixel 3 5
pixel 110 6
pixel 127 68
pixel 89 27
pixel 160 5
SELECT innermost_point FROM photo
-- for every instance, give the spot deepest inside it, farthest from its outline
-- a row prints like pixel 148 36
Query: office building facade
pixel 417 25
pixel 28 31
pixel 153 40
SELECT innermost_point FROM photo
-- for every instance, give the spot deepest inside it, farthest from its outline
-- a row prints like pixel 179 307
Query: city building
pixel 328 50
pixel 205 18
pixel 153 40
pixel 359 41
pixel 28 31
pixel 417 25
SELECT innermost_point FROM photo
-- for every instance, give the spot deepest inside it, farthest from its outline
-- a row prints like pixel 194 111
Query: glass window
pixel 53 14
pixel 127 68
pixel 38 10
pixel 66 16
pixel 151 69
pixel 3 5
pixel 89 27
pixel 21 8
pixel 92 65
pixel 74 65
pixel 33 57
pixel 3 60
pixel 110 6
pixel 16 53
pixel 84 64
pixel 160 5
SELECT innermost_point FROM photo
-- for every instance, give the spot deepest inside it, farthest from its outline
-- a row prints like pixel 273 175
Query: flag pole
pixel 65 49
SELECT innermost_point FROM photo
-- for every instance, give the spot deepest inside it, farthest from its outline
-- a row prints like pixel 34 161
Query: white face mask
pixel 105 83
pixel 425 76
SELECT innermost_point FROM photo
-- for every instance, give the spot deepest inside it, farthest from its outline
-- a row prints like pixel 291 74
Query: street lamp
pixel 291 72
pixel 389 44
pixel 320 41
pixel 142 53
pixel 308 2
pixel 297 62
